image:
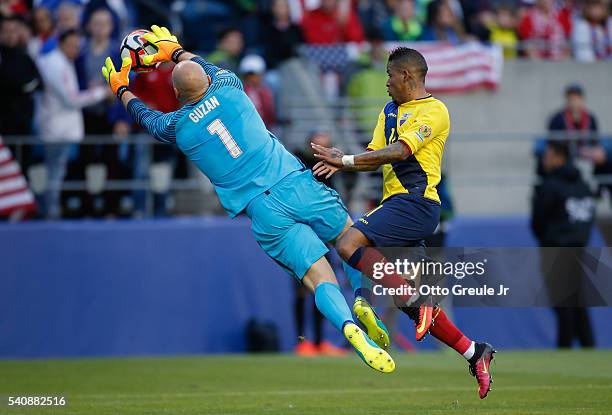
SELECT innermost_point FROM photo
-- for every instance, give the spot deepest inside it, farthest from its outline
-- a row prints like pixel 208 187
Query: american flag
pixel 452 68
pixel 15 194
pixel 462 68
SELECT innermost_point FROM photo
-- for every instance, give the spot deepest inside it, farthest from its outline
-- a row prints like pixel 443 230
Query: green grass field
pixel 424 383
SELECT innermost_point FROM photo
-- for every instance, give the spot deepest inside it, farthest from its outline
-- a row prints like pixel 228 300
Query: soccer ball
pixel 135 46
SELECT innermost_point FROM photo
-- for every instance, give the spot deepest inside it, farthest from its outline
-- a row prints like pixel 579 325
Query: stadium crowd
pixel 51 52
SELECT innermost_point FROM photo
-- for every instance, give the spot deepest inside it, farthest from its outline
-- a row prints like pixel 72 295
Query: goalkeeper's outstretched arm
pixel 158 124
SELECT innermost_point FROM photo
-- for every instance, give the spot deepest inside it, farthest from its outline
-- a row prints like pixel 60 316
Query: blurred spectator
pixel 19 79
pixel 104 118
pixel 581 126
pixel 403 24
pixel 61 119
pixel 366 81
pixel 477 15
pixel 98 46
pixel 592 32
pixel 279 36
pixel 10 8
pixel 43 25
pixel 228 51
pixel 252 68
pixel 542 30
pixel 374 13
pixel 575 124
pixel 333 22
pixel 443 25
pixel 67 17
pixel 574 117
pixel 502 30
pixel 118 10
pixel 563 212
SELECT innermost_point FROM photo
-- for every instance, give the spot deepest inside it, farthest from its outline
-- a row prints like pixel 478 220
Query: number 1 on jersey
pixel 217 127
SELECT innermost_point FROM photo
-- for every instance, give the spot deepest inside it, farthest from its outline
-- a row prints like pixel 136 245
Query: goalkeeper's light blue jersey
pixel 225 137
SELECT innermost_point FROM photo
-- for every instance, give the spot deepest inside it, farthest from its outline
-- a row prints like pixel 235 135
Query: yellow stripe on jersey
pixel 424 125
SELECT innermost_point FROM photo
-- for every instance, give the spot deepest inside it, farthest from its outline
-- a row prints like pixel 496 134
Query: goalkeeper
pixel 292 214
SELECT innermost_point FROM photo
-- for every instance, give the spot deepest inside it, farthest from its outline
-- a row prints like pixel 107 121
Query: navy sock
pixel 355 258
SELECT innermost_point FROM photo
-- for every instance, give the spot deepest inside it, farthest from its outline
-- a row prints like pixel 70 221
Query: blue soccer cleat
pixel 373 356
pixel 374 326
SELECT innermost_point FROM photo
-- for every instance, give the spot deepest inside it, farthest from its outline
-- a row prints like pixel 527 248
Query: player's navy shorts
pixel 294 219
pixel 401 220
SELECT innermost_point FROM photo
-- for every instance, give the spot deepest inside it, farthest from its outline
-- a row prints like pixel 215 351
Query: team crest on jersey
pixel 424 132
pixel 404 118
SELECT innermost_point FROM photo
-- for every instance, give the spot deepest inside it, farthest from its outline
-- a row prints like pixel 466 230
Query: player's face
pixel 395 82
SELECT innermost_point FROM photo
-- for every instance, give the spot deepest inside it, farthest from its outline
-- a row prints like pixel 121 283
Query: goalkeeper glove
pixel 118 81
pixel 168 48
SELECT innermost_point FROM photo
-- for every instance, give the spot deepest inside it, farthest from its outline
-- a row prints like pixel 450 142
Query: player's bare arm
pixel 333 159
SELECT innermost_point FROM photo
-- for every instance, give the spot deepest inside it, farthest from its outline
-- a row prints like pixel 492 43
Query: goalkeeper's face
pixel 190 82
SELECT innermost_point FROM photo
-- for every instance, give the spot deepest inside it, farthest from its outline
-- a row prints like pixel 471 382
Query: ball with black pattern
pixel 135 46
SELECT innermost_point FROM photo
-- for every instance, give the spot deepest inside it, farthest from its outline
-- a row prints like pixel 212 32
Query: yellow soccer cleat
pixel 376 329
pixel 373 356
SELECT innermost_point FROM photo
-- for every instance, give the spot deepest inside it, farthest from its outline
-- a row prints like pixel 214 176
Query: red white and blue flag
pixel 15 195
pixel 452 68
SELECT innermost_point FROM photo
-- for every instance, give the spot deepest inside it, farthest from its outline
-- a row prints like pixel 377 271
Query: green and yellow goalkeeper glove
pixel 168 48
pixel 118 81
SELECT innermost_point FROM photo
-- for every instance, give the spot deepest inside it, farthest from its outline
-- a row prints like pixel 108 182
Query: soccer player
pixel 408 143
pixel 292 214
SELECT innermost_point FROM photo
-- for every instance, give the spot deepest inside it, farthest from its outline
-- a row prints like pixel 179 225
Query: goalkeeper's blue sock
pixel 362 286
pixel 332 304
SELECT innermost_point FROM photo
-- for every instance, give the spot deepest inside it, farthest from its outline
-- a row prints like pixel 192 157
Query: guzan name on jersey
pixel 203 109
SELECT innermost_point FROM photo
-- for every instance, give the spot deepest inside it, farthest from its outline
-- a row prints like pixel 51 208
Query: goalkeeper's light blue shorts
pixel 294 219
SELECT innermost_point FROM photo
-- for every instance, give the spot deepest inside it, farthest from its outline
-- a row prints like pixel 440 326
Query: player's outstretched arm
pixel 333 159
pixel 158 124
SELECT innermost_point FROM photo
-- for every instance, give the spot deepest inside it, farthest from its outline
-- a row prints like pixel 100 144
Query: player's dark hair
pixel 560 148
pixel 67 33
pixel 410 59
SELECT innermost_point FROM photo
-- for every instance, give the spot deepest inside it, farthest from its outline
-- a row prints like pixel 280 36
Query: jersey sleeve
pixel 219 77
pixel 378 138
pixel 162 126
pixel 425 127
